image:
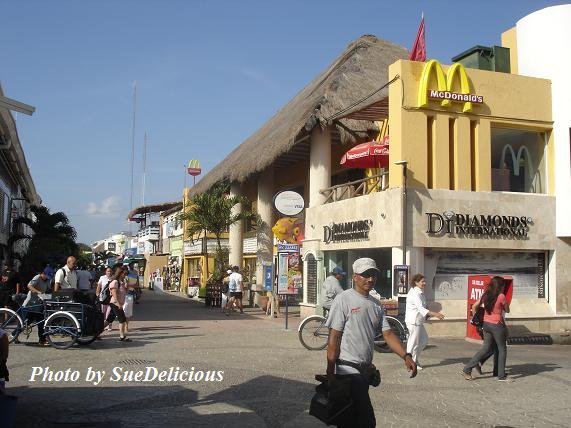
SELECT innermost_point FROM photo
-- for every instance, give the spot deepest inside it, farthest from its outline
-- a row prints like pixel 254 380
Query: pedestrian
pixel 9 286
pixel 101 284
pixel 224 292
pixel 236 283
pixel 118 290
pixel 354 320
pixel 415 316
pixel 83 279
pixel 66 277
pixel 37 287
pixel 4 351
pixel 495 330
pixel 332 287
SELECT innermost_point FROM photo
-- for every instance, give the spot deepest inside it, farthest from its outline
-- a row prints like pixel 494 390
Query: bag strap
pixel 360 367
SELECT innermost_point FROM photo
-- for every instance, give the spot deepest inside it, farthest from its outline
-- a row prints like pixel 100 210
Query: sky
pixel 207 75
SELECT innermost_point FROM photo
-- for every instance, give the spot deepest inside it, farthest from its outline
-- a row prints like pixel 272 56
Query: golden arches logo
pixel 194 167
pixel 453 86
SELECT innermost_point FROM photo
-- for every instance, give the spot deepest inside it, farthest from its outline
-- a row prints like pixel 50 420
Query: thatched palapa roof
pixel 360 70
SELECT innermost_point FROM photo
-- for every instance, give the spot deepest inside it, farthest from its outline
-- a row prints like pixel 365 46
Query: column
pixel 265 238
pixel 235 235
pixel 319 165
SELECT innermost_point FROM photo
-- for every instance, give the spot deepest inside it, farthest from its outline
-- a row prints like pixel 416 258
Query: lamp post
pixel 403 209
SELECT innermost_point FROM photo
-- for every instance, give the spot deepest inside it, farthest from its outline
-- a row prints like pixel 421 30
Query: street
pixel 267 378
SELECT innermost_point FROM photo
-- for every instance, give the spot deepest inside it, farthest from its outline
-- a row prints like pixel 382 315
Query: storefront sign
pixel 289 202
pixel 445 83
pixel 478 225
pixel 288 248
pixel 348 231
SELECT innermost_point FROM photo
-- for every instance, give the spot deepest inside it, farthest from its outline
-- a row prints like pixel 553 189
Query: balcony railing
pixel 365 186
pixel 149 233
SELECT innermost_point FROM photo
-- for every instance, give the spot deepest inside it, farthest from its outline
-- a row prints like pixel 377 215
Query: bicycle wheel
pixel 313 334
pixel 61 330
pixel 398 329
pixel 11 323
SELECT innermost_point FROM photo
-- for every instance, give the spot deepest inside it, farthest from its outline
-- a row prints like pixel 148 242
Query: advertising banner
pixel 290 278
pixel 476 287
pixel 268 278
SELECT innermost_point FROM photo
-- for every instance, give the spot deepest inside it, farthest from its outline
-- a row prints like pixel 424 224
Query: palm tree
pixel 51 239
pixel 211 211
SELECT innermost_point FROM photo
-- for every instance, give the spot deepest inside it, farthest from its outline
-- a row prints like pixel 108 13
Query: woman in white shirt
pixel 415 315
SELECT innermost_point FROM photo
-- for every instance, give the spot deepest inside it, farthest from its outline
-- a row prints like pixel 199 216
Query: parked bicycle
pixel 313 333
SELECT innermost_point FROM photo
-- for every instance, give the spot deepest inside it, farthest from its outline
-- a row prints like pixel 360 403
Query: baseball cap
pixel 364 264
pixel 338 271
pixel 49 272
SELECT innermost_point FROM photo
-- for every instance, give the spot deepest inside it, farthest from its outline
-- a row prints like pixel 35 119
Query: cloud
pixel 257 76
pixel 109 207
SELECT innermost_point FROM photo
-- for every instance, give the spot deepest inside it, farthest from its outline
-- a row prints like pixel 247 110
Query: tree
pixel 51 239
pixel 211 211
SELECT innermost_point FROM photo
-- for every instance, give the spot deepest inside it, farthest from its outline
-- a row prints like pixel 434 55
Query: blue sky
pixel 208 73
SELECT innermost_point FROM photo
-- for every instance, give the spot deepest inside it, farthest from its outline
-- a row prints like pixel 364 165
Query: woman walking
pixel 101 284
pixel 118 290
pixel 495 330
pixel 415 316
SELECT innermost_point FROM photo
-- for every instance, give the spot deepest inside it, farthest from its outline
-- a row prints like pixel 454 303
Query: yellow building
pixel 477 151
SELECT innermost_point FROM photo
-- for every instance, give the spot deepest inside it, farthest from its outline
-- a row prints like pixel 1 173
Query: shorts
pixel 236 295
pixel 116 312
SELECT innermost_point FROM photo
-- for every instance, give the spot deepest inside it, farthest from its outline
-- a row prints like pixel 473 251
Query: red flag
pixel 418 52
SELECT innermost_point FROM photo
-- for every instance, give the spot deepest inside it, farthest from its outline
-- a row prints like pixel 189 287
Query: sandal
pixel 124 339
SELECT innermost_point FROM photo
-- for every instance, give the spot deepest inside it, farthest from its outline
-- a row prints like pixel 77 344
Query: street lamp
pixel 403 209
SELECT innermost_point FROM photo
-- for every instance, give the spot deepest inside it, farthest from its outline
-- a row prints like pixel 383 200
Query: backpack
pixel 105 294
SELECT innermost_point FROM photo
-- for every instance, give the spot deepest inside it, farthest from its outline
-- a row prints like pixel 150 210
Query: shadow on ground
pixel 263 401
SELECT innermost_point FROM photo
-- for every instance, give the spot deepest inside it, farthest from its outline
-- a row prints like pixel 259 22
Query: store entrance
pixel 345 259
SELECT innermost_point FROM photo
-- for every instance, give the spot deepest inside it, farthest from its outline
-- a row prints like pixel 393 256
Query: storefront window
pixel 448 272
pixel 518 160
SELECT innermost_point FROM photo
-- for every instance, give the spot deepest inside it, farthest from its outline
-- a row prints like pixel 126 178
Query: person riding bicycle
pixel 332 287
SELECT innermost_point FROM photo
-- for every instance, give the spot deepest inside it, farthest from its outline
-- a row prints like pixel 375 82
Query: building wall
pixel 541 42
pixel 425 137
pixel 563 266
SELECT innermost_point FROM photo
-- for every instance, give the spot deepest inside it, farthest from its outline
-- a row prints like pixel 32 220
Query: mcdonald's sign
pixel 451 87
pixel 194 167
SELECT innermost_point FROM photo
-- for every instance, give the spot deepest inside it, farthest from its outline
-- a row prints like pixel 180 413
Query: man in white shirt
pixel 354 321
pixel 66 277
pixel 332 286
pixel 236 286
pixel 415 315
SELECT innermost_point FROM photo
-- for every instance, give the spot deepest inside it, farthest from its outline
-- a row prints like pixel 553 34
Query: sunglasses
pixel 371 273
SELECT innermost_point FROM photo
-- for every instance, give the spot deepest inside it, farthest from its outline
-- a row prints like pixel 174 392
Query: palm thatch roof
pixel 360 70
pixel 152 209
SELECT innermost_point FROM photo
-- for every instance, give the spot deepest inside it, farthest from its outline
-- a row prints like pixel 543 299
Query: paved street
pixel 268 378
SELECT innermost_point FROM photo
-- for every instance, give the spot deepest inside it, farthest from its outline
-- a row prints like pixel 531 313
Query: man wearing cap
pixel 38 285
pixel 332 286
pixel 354 321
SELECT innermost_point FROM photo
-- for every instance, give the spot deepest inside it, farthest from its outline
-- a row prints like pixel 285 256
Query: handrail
pixel 364 186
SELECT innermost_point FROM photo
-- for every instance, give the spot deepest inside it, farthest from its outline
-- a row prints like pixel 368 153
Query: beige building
pixel 476 148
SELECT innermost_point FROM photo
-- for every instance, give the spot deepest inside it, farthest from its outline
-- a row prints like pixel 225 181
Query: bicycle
pixel 61 328
pixel 313 333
